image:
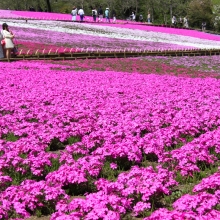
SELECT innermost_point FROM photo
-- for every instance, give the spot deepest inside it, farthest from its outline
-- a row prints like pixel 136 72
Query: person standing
pixel 107 19
pixel 1 46
pixel 114 16
pixel 133 17
pixel 8 36
pixel 185 22
pixel 94 14
pixel 141 18
pixel 181 21
pixel 148 17
pixel 174 20
pixel 81 14
pixel 74 13
pixel 100 13
pixel 203 26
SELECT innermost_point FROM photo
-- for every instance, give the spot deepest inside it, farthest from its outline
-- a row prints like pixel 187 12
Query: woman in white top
pixel 1 47
pixel 8 36
pixel 74 13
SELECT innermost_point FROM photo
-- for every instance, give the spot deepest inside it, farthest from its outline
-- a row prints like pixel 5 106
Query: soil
pixel 39 218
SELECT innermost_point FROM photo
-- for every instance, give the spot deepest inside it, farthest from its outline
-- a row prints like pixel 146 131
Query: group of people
pixel 100 14
pixel 141 18
pixel 7 44
pixel 95 14
pixel 183 22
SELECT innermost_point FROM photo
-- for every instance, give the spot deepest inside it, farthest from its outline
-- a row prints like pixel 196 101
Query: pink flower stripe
pixel 203 63
pixel 177 31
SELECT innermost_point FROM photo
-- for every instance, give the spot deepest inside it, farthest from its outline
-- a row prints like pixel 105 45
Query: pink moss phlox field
pixel 63 130
pixel 174 214
pixel 121 24
pixel 31 38
pixel 29 195
pixel 142 65
pixel 183 32
pixel 201 205
pixel 26 47
pixel 209 184
pixel 34 15
pixel 203 63
pixel 143 183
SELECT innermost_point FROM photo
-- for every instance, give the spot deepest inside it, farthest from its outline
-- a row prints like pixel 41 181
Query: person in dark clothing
pixel 114 16
pixel 94 14
pixel 141 18
pixel 100 14
pixel 203 26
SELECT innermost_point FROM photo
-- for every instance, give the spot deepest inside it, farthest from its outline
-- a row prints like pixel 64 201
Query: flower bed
pixel 112 138
pixel 112 36
pixel 53 39
pixel 128 144
pixel 204 63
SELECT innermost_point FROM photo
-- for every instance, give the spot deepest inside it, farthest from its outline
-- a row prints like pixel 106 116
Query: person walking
pixel 94 14
pixel 100 14
pixel 81 14
pixel 8 36
pixel 107 19
pixel 74 13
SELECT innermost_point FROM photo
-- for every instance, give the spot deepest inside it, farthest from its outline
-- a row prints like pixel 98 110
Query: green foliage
pixel 150 157
pixel 200 11
pixel 187 183
pixel 6 112
pixel 18 177
pixel 215 2
pixel 109 173
pixel 197 176
pixel 73 139
pixel 62 7
pixel 56 144
pixel 173 197
pixel 76 156
pixel 216 20
pixel 10 137
pixel 74 189
pixel 213 152
pixel 54 166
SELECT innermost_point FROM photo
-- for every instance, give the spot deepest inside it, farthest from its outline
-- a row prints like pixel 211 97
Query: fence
pixel 101 54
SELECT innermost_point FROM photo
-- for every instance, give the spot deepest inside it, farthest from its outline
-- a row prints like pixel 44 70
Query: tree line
pixel 162 11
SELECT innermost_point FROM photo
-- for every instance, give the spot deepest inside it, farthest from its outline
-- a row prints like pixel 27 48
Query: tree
pixel 48 6
pixel 200 11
